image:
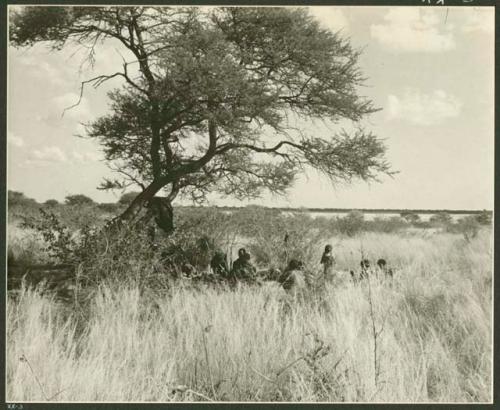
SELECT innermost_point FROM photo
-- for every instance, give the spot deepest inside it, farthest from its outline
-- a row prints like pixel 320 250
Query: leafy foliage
pixel 410 217
pixel 386 225
pixel 352 223
pixel 468 227
pixel 110 208
pixel 484 218
pixel 51 203
pixel 78 200
pixel 441 219
pixel 19 200
pixel 58 238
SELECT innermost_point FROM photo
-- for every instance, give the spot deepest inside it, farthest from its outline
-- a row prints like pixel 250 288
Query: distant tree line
pixel 370 210
pixel 82 209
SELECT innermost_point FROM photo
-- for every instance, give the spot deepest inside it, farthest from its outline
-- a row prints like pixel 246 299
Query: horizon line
pixel 346 210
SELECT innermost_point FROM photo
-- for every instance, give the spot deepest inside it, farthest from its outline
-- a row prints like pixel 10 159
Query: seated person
pixel 188 270
pixel 365 268
pixel 382 265
pixel 293 277
pixel 219 265
pixel 242 267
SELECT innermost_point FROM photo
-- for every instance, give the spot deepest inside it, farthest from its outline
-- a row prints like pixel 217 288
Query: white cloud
pixel 15 140
pixel 48 154
pixel 412 29
pixel 423 109
pixel 39 61
pixel 479 19
pixel 57 111
pixel 85 156
pixel 329 17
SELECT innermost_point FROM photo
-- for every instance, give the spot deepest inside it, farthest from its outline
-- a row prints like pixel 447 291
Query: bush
pixel 410 217
pixel 275 238
pixel 111 253
pixel 110 208
pixel 78 200
pixel 18 199
pixel 351 224
pixel 386 225
pixel 19 204
pixel 60 243
pixel 50 203
pixel 484 218
pixel 441 219
pixel 198 233
pixel 468 227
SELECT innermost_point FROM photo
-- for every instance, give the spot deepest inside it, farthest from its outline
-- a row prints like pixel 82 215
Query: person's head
pixel 328 248
pixel 295 264
pixel 381 263
pixel 365 264
pixel 246 257
pixel 242 252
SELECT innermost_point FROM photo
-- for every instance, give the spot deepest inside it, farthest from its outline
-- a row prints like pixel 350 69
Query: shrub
pixel 468 227
pixel 441 219
pixel 198 233
pixel 19 204
pixel 410 217
pixel 18 199
pixel 114 253
pixel 351 224
pixel 275 238
pixel 386 225
pixel 58 238
pixel 110 208
pixel 78 200
pixel 50 203
pixel 484 218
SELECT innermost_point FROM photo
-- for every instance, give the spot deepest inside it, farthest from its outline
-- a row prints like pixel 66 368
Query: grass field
pixel 424 337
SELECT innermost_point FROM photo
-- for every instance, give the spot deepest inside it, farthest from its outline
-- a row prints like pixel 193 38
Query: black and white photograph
pixel 249 204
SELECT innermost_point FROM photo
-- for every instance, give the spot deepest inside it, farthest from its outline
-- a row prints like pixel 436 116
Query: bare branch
pixel 96 82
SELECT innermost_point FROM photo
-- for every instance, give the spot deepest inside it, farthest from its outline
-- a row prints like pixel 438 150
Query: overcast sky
pixel 431 70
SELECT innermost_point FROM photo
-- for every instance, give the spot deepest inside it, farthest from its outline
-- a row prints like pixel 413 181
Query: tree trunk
pixel 161 209
pixel 146 206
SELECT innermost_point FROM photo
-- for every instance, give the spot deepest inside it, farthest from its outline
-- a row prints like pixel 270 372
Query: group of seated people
pixel 242 268
pixel 328 262
pixel 294 275
pixel 366 269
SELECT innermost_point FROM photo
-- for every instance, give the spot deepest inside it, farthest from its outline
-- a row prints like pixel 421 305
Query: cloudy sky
pixel 431 70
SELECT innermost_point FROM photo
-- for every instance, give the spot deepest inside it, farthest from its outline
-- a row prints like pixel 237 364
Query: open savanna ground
pixel 424 336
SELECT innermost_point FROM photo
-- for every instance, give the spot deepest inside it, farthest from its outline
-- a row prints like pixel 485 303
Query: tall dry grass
pixel 432 326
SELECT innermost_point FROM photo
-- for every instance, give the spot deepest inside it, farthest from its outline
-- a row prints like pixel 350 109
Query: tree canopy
pixel 213 99
pixel 18 199
pixel 51 202
pixel 78 200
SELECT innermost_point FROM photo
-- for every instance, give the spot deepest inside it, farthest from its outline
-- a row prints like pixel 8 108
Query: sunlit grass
pixel 258 344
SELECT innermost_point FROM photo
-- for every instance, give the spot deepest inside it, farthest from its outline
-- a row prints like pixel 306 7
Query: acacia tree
pixel 78 200
pixel 217 98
